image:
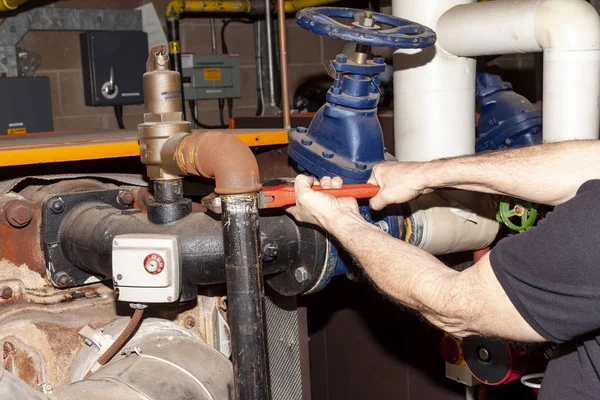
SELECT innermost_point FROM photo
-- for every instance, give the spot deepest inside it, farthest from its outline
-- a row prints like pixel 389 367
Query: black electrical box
pixel 113 66
pixel 25 105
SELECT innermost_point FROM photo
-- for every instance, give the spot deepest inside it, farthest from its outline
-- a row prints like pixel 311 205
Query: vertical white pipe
pixel 434 92
pixel 571 96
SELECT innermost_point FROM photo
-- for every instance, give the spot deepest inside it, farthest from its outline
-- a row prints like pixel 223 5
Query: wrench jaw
pixel 264 200
pixel 213 203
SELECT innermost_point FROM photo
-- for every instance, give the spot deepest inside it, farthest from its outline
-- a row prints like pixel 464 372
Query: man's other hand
pixel 399 181
pixel 317 207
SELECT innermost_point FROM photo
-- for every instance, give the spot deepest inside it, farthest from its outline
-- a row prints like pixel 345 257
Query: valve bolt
pixel 57 206
pixel 341 58
pixel 301 275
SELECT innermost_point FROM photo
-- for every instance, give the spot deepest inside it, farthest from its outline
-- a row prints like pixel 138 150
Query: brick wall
pixel 61 62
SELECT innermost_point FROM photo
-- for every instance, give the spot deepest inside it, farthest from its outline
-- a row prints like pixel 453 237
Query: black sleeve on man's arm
pixel 551 273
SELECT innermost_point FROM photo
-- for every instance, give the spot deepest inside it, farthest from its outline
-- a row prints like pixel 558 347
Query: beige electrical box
pixel 146 268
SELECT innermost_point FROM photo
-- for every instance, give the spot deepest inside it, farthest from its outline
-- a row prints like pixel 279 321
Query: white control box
pixel 146 268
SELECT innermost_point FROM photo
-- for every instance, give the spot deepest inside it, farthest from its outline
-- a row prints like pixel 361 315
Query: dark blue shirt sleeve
pixel 551 273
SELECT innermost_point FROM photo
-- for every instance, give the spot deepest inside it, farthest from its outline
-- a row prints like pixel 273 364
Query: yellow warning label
pixel 175 47
pixel 212 74
pixel 17 131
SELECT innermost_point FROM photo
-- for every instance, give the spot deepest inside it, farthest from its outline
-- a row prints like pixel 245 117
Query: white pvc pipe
pixel 568 31
pixel 571 93
pixel 434 117
pixel 434 92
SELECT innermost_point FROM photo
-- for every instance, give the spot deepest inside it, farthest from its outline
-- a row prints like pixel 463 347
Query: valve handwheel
pixel 366 28
pixel 511 208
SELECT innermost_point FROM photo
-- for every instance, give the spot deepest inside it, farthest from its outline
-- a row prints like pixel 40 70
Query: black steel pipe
pixel 168 204
pixel 175 53
pixel 245 292
pixel 88 231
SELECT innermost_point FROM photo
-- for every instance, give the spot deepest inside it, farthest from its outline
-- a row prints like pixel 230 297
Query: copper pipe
pixel 221 156
pixel 283 61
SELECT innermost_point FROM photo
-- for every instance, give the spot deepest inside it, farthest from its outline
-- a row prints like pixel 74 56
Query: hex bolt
pixel 361 166
pixel 46 388
pixel 126 198
pixel 270 251
pixel 341 58
pixel 62 279
pixel 57 206
pixel 383 226
pixel 327 155
pixel 379 60
pixel 18 213
pixel 367 19
pixel 189 322
pixel 6 293
pixel 301 129
pixel 301 275
pixel 306 142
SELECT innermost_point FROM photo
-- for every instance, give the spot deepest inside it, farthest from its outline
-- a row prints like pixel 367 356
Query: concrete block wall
pixel 61 63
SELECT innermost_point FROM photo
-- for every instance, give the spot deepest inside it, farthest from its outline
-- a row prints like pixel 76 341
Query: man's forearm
pixel 547 174
pixel 461 303
pixel 407 274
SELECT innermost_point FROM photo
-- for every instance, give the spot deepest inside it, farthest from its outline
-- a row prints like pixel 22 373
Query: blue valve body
pixel 507 119
pixel 345 137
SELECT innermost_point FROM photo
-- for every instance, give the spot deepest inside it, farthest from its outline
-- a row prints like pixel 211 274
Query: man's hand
pixel 399 181
pixel 317 207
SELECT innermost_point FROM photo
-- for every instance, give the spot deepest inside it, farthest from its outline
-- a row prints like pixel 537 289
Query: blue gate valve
pixel 345 137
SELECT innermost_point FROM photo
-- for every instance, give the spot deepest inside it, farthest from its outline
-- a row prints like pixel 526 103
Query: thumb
pixel 378 202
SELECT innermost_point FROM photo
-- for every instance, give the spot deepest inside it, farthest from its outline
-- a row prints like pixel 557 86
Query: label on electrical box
pixel 187 61
pixel 17 131
pixel 212 74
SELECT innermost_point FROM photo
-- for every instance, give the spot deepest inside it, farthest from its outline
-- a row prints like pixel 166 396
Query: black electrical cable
pixel 192 104
pixel 221 109
pixel 119 116
pixel 225 50
pixel 230 108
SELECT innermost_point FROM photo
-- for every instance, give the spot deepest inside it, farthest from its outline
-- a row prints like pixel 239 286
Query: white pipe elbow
pixel 567 24
pixel 518 26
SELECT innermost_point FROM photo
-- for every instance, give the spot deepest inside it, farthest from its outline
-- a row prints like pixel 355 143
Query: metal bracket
pixel 13 29
pixel 55 209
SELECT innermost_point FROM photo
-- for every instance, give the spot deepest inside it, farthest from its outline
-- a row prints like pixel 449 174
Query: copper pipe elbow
pixel 224 157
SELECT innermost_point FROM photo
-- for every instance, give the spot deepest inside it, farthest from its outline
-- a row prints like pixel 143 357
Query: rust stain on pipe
pixel 224 157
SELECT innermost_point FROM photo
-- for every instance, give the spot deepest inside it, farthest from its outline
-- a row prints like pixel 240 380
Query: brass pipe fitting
pixel 169 149
pixel 163 118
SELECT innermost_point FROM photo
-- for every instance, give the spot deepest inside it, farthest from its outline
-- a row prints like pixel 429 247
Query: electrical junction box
pixel 210 76
pixel 113 67
pixel 146 268
pixel 25 105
